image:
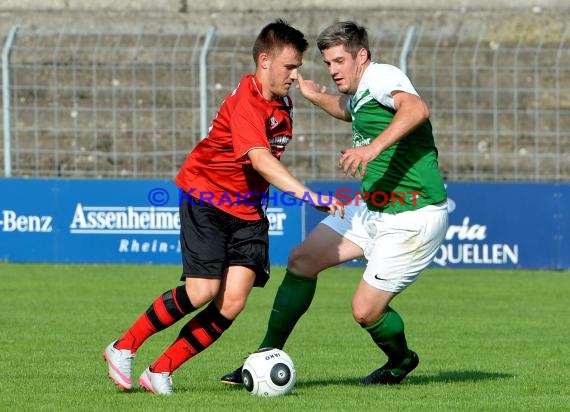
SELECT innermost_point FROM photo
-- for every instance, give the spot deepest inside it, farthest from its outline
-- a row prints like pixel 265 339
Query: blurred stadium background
pixel 93 89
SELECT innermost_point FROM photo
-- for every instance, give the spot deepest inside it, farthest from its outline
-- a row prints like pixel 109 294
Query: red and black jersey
pixel 218 169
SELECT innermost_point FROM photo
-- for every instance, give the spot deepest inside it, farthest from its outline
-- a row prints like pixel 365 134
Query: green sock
pixel 388 334
pixel 292 300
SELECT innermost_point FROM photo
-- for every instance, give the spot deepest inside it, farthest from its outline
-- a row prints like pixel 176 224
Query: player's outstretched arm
pixel 279 176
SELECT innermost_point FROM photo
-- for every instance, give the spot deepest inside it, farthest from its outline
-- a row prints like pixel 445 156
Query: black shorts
pixel 211 240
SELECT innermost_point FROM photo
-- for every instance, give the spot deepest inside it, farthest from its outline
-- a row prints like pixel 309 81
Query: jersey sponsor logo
pixel 279 141
pixel 358 140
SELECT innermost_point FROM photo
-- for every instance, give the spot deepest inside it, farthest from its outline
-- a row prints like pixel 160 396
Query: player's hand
pixel 329 204
pixel 353 158
pixel 309 89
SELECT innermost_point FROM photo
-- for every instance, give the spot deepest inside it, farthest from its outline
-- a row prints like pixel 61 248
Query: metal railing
pixel 133 105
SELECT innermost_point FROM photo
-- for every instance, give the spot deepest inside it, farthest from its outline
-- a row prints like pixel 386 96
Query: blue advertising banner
pixel 505 225
pixel 110 221
pixel 494 225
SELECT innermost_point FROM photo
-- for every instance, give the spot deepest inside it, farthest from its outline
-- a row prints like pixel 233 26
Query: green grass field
pixel 488 341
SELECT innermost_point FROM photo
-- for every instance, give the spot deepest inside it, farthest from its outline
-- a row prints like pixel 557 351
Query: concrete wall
pixel 189 6
pixel 248 16
pixel 174 16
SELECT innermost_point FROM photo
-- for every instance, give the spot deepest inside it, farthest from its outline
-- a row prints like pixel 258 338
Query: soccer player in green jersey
pixel 403 220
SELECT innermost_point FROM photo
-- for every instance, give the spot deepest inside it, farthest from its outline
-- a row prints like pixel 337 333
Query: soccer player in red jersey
pixel 224 232
pixel 394 151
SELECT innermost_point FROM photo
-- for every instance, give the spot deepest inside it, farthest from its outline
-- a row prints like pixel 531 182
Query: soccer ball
pixel 269 372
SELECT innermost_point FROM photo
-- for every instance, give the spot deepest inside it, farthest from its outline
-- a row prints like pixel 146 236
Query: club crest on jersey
pixel 273 122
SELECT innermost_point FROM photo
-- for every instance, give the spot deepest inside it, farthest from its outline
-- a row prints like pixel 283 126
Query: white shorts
pixel 397 246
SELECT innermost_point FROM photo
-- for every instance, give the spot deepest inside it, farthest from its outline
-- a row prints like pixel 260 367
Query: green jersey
pixel 406 175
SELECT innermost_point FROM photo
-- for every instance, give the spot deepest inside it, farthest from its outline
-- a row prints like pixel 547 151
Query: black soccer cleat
pixel 391 376
pixel 233 378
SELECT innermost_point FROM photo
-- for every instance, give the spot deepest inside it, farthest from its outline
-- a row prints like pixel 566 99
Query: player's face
pixel 345 70
pixel 283 68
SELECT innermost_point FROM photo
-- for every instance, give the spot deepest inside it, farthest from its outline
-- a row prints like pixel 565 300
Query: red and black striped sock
pixel 166 310
pixel 202 330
